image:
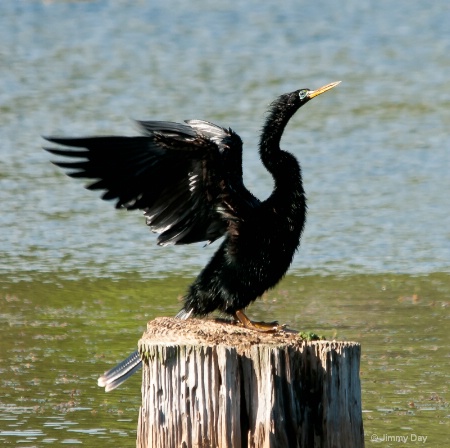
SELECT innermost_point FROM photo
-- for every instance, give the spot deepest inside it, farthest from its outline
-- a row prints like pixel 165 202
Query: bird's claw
pixel 264 327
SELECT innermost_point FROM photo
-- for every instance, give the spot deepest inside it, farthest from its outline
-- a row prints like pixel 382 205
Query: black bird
pixel 187 178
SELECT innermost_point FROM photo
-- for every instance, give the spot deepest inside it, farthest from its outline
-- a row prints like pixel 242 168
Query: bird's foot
pixel 265 327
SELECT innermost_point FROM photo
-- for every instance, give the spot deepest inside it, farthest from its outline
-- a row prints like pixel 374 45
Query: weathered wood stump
pixel 210 384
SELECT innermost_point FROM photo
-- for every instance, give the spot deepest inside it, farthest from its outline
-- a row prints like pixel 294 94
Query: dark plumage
pixel 187 178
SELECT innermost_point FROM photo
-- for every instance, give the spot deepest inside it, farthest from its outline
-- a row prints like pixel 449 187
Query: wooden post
pixel 207 384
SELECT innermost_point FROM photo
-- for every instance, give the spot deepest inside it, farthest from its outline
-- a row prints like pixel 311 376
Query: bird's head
pixel 285 106
pixel 302 96
pixel 282 110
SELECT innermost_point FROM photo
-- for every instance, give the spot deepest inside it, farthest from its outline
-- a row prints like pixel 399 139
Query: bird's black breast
pixel 246 265
pixel 265 248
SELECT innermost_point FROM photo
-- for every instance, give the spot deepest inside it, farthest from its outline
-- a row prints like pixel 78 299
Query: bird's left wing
pixel 183 176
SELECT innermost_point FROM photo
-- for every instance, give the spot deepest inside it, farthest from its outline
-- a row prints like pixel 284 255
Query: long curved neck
pixel 269 145
pixel 283 166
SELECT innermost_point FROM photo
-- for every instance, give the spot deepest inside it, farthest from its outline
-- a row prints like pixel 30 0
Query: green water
pixel 59 335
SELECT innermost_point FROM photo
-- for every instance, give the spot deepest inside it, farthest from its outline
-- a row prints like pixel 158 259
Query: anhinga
pixel 187 178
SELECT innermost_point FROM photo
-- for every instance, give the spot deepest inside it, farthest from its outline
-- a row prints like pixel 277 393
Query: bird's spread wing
pixel 186 177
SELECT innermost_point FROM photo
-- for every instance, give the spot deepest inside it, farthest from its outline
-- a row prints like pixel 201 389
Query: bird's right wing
pixel 183 176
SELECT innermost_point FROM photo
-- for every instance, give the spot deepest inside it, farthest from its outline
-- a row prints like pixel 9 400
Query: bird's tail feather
pixel 184 314
pixel 117 375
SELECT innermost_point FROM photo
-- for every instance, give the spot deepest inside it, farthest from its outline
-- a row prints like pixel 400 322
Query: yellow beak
pixel 313 93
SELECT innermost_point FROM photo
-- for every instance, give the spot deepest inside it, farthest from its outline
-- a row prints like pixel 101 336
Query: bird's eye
pixel 303 94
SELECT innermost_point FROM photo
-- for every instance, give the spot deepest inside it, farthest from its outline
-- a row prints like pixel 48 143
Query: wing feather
pixel 187 178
